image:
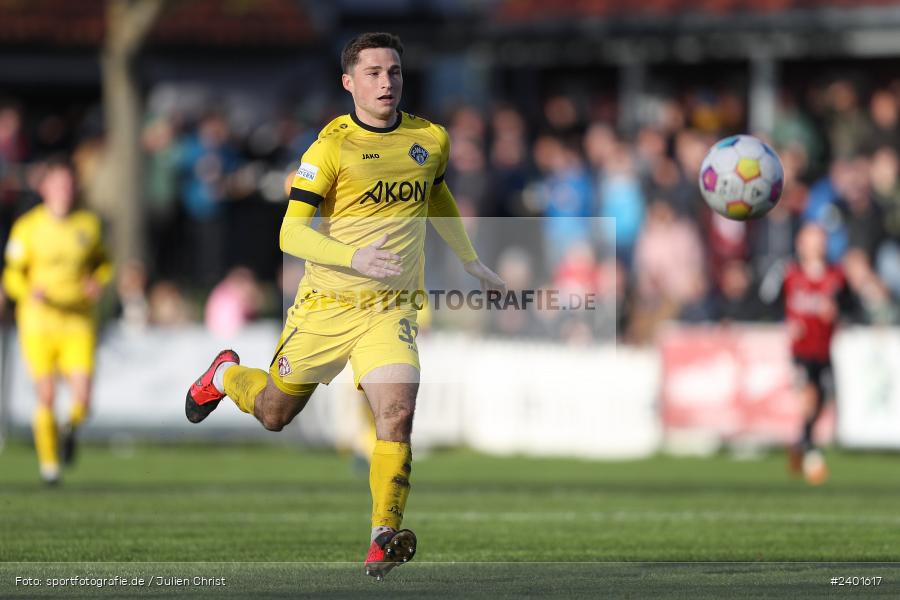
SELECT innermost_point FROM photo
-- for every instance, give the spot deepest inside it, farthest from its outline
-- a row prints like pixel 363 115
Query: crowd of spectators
pixel 657 250
pixel 564 200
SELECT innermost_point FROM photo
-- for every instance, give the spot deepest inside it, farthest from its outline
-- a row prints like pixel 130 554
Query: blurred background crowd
pixel 574 147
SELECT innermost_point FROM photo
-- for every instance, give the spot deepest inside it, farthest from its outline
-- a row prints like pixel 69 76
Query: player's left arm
pixel 846 299
pixel 855 300
pixel 101 267
pixel 444 216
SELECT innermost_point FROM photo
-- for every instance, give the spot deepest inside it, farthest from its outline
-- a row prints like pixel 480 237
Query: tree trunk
pixel 128 24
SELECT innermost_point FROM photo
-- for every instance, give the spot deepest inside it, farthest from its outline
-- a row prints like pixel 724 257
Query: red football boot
pixel 389 550
pixel 203 397
pixel 795 461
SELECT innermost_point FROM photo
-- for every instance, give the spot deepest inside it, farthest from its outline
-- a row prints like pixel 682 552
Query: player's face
pixel 811 243
pixel 58 191
pixel 376 83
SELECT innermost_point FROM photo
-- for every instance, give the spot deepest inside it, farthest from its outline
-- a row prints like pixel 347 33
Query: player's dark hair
pixel 58 161
pixel 350 54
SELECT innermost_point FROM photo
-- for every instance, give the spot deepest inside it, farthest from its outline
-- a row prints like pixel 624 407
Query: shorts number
pixel 409 333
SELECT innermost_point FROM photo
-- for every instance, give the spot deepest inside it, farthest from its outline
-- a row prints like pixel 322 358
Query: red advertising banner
pixel 734 383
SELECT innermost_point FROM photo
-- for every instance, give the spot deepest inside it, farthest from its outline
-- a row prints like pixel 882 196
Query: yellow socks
pixel 44 427
pixel 243 385
pixel 77 414
pixel 389 482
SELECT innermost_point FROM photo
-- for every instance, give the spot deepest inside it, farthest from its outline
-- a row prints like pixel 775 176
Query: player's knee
pixel 275 410
pixel 274 421
pixel 46 392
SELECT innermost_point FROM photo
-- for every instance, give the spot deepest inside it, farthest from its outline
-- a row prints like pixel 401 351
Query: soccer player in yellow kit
pixel 374 175
pixel 56 267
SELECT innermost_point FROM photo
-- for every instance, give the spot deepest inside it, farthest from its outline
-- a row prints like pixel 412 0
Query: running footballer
pixel 374 176
pixel 814 293
pixel 56 268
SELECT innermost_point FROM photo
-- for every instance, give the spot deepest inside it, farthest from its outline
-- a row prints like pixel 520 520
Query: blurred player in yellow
pixel 374 175
pixel 56 267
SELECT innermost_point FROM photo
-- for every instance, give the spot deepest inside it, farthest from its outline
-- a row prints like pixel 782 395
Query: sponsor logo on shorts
pixel 308 171
pixel 418 154
pixel 284 366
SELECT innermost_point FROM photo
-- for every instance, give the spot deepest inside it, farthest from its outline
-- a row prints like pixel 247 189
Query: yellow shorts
pixel 66 348
pixel 322 333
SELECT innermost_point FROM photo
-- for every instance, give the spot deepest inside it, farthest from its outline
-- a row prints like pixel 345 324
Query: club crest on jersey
pixel 284 366
pixel 418 154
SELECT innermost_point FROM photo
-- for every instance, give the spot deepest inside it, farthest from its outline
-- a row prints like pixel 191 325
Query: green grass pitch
pixel 283 521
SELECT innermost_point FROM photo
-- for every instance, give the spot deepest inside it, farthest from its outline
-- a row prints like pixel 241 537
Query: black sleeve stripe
pixel 310 198
pixel 438 180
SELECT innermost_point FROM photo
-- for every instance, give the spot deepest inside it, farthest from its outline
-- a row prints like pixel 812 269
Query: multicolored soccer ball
pixel 741 178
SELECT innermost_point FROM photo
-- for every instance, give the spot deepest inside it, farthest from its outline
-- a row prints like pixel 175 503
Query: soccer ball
pixel 741 177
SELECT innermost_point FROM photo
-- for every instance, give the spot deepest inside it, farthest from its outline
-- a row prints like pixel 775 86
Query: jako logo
pixel 392 191
pixel 368 156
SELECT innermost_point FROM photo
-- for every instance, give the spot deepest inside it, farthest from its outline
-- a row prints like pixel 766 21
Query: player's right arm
pixel 314 179
pixel 15 273
pixel 771 289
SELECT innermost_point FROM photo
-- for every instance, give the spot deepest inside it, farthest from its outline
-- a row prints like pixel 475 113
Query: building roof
pixel 529 10
pixel 81 23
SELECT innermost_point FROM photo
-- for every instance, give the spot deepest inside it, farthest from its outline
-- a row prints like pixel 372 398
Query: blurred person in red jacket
pixel 814 293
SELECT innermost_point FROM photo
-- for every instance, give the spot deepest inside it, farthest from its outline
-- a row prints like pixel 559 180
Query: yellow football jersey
pixel 367 182
pixel 55 256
